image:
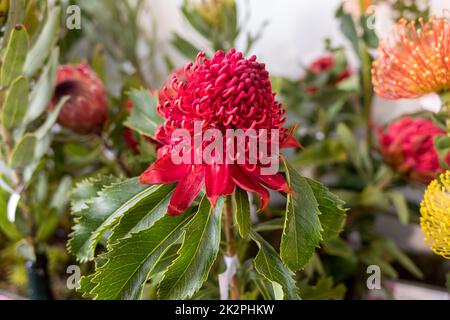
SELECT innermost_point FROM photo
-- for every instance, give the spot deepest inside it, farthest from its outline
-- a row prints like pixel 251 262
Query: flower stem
pixel 231 244
pixel 367 91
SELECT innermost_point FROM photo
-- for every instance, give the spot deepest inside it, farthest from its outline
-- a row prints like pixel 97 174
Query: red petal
pixel 290 142
pixel 275 181
pixel 187 190
pixel 218 182
pixel 163 171
pixel 243 181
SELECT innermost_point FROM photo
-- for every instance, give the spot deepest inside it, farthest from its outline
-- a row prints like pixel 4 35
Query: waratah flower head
pixel 407 145
pixel 227 91
pixel 86 111
pixel 435 215
pixel 414 61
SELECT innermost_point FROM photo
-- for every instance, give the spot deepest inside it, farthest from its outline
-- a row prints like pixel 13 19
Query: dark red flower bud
pixel 86 111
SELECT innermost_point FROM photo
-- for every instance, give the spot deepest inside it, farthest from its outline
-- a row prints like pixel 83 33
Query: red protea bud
pixel 86 111
pixel 407 145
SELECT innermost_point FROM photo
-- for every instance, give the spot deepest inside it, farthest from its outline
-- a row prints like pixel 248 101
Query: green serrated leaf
pixel 16 103
pixel 144 118
pixel 302 228
pixel 332 212
pixel 144 215
pixel 111 200
pixel 24 152
pixel 84 191
pixel 132 259
pixel 197 254
pixel 242 213
pixel 15 55
pixel 44 44
pixel 269 265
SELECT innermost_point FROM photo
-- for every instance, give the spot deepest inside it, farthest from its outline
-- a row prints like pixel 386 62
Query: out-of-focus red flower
pixel 86 111
pixel 407 146
pixel 225 92
pixel 413 61
pixel 324 64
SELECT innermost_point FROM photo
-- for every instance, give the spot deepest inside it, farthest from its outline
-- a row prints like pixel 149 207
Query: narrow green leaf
pixel 132 259
pixel 15 55
pixel 16 14
pixel 402 258
pixel 60 196
pixel 144 118
pixel 16 103
pixel 6 226
pixel 197 254
pixel 302 228
pixel 401 206
pixel 269 265
pixel 24 152
pixel 321 153
pixel 242 212
pixel 44 44
pixel 350 144
pixel 52 117
pixel 185 47
pixel 447 282
pixel 43 90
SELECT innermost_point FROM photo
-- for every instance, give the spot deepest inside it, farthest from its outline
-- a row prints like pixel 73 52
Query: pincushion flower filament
pixel 414 61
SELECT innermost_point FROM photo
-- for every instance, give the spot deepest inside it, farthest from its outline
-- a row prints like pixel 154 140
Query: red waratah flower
pixel 413 61
pixel 407 145
pixel 86 111
pixel 225 92
pixel 324 64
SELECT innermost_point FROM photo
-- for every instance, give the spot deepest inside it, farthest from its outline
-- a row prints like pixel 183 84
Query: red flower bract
pixel 407 145
pixel 225 92
pixel 86 111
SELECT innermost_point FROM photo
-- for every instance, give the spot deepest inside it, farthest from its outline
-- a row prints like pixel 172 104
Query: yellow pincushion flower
pixel 435 215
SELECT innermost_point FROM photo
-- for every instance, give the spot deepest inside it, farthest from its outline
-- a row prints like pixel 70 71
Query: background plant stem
pixel 231 244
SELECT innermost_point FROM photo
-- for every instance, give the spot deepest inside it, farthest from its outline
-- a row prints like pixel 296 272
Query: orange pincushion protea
pixel 414 61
